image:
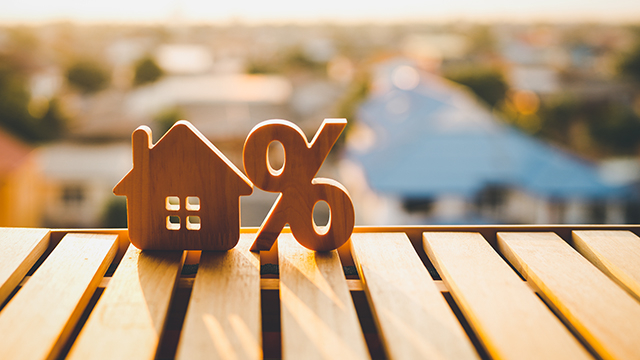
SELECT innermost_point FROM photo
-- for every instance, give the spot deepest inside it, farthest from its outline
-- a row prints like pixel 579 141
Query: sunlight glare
pixel 329 10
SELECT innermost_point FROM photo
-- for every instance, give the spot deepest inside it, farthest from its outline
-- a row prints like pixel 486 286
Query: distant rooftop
pixel 177 90
pixel 13 153
pixel 429 137
pixel 184 58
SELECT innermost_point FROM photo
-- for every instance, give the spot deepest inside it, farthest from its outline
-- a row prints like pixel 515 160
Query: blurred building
pixel 20 203
pixel 431 153
pixel 77 181
pixel 220 106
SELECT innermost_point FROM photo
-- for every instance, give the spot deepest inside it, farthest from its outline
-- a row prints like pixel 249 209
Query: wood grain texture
pixel 19 250
pixel 39 318
pixel 295 181
pixel 616 253
pixel 605 315
pixel 223 319
pixel 413 319
pixel 129 318
pixel 509 319
pixel 182 164
pixel 319 319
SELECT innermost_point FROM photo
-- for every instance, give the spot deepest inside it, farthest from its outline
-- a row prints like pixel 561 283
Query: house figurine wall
pixel 183 193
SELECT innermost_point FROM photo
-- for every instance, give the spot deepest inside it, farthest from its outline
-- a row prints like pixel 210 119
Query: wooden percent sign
pixel 299 190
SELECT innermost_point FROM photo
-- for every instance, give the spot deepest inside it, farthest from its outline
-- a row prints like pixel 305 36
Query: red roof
pixel 13 153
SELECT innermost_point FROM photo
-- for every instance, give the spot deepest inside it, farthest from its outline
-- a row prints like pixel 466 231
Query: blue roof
pixel 437 139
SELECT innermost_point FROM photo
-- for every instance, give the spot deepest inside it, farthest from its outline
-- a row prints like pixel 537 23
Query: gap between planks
pixel 268 284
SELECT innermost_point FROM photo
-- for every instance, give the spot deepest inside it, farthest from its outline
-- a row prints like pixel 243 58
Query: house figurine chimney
pixel 141 139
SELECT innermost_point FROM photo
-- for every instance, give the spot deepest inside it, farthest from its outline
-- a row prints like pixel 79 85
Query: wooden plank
pixel 616 253
pixel 223 319
pixel 605 315
pixel 509 319
pixel 319 319
pixel 19 250
pixel 128 320
pixel 413 318
pixel 38 320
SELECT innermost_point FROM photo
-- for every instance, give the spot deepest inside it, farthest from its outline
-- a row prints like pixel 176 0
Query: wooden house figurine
pixel 182 193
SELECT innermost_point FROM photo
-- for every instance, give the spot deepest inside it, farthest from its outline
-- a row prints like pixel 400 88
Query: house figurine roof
pixel 182 192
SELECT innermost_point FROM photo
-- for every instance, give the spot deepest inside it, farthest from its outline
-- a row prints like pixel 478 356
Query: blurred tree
pixel 481 40
pixel 630 64
pixel 596 128
pixel 294 59
pixel 557 116
pixel 146 71
pixel 53 124
pixel 164 120
pixel 355 94
pixel 297 58
pixel 14 99
pixel 14 107
pixel 487 83
pixel 23 37
pixel 347 106
pixel 88 76
pixel 115 215
pixel 617 128
pixel 256 66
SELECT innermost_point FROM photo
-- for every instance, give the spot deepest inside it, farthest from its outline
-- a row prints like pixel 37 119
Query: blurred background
pixel 460 113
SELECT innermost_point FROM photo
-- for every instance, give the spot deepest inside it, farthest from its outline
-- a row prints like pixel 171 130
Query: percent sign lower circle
pixel 299 190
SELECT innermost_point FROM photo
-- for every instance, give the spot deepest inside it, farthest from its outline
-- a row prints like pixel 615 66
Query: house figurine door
pixel 182 193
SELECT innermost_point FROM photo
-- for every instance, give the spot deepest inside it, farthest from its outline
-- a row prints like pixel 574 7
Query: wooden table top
pixel 420 292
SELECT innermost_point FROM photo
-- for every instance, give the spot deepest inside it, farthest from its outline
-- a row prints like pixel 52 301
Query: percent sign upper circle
pixel 299 190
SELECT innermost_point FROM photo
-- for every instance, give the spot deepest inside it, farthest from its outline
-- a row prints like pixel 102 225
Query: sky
pixel 160 11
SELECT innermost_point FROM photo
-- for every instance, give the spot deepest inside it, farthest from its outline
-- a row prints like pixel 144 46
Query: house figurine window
pixel 191 203
pixel 172 203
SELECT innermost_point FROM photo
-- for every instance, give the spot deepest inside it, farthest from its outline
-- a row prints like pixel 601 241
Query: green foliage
pixel 22 38
pixel 487 83
pixel 256 66
pixel 357 92
pixel 146 71
pixel 299 60
pixel 481 40
pixel 115 215
pixel 558 115
pixel 617 128
pixel 292 60
pixel 14 98
pixel 88 76
pixel 593 127
pixel 165 120
pixel 630 65
pixel 14 107
pixel 53 124
pixel 348 105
